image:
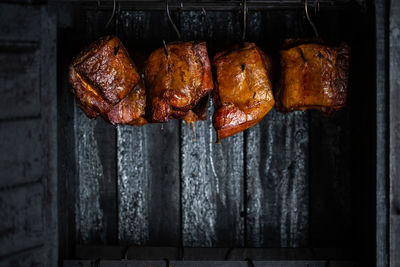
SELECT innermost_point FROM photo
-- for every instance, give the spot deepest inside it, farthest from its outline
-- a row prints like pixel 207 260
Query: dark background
pixel 297 186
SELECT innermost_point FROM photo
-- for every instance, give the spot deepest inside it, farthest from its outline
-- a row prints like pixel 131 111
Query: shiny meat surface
pixel 131 109
pixel 313 76
pixel 102 75
pixel 243 90
pixel 177 82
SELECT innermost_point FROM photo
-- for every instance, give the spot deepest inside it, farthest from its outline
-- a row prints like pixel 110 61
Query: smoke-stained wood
pixel 95 164
pixel 24 161
pixel 271 186
pixel 21 211
pixel 22 71
pixel 277 181
pixel 28 133
pixel 394 44
pixel 211 174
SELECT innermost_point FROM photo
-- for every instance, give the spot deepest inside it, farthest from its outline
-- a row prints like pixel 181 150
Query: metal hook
pixel 244 4
pixel 317 7
pixel 171 21
pixel 112 14
pixel 165 48
pixel 204 20
pixel 309 19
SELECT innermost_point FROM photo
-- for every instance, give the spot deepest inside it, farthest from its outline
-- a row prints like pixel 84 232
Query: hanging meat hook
pixel 244 5
pixel 309 19
pixel 171 21
pixel 112 14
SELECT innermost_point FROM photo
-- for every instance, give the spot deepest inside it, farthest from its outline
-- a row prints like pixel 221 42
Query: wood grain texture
pixel 21 211
pixel 49 141
pixel 212 181
pixel 91 220
pixel 148 156
pixel 28 181
pixel 26 28
pixel 394 79
pixel 23 162
pixel 147 182
pixel 132 184
pixel 35 256
pixel 96 209
pixel 211 174
pixel 277 181
pixel 20 83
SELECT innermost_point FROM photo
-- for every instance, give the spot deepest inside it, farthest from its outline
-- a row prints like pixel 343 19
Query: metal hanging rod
pixel 153 5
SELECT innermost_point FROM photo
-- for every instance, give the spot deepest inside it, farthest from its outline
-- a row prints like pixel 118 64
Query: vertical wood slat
pixel 96 165
pixel 23 72
pixel 330 179
pixel 89 171
pixel 277 180
pixel 132 185
pixel 48 98
pixel 28 194
pixel 21 211
pixel 148 156
pixel 67 173
pixel 394 47
pixel 211 174
pixel 277 151
pixel 382 96
pixel 148 176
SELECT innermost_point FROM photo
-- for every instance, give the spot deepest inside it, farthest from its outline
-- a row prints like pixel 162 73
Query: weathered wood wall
pixel 283 183
pixel 394 78
pixel 294 180
pixel 28 143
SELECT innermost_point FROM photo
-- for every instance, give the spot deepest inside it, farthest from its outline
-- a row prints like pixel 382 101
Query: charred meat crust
pixel 131 109
pixel 177 82
pixel 243 90
pixel 102 75
pixel 313 76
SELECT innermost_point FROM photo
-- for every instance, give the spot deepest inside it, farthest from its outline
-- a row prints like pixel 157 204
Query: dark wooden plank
pixel 96 161
pixel 211 263
pixel 26 28
pixel 90 172
pixel 212 174
pixel 32 257
pixel 277 181
pixel 67 166
pixel 48 98
pixel 215 263
pixel 20 83
pixel 148 162
pixel 330 179
pixel 132 186
pixel 23 162
pixel 394 56
pixel 342 162
pixel 78 263
pixel 277 152
pixel 21 211
pixel 212 180
pixel 147 181
pixel 206 254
